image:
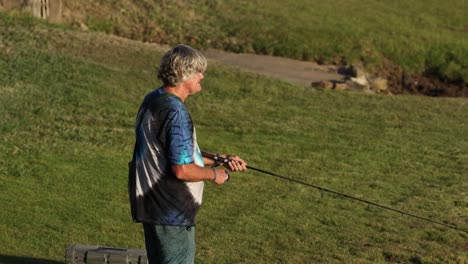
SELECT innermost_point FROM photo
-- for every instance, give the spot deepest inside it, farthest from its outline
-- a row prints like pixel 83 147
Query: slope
pixel 68 101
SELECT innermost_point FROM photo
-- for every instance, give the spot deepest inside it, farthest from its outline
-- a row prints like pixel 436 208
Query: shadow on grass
pixel 23 260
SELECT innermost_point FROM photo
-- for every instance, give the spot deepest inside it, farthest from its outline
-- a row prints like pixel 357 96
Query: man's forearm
pixel 195 173
pixel 192 172
pixel 208 161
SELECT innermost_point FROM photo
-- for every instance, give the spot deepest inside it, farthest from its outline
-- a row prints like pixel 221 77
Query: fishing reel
pixel 218 161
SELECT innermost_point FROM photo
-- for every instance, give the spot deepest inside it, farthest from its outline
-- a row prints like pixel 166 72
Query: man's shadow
pixel 26 260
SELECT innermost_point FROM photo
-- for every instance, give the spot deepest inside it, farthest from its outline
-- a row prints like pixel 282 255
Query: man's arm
pixel 208 162
pixel 193 173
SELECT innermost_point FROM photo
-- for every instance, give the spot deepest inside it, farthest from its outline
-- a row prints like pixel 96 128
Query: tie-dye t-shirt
pixel 165 136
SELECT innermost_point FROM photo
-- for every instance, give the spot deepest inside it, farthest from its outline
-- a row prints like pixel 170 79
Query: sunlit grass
pixel 68 105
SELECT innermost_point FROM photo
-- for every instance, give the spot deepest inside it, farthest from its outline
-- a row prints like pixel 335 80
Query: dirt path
pixel 298 72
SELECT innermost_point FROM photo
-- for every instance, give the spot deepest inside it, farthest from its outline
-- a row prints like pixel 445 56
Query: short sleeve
pixel 179 137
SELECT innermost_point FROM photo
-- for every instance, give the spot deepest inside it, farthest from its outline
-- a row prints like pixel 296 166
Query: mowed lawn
pixel 68 102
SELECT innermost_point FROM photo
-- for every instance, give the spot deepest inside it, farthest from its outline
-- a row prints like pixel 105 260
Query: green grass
pixel 68 102
pixel 420 36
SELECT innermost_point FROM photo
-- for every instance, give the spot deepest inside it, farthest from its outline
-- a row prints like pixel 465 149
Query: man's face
pixel 193 84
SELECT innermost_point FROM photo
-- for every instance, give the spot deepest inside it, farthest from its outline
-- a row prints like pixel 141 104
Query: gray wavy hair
pixel 180 64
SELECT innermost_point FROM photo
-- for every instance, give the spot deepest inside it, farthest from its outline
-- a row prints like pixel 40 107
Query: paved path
pixel 299 72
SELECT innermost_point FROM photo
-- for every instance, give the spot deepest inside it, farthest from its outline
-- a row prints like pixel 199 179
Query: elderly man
pixel 168 171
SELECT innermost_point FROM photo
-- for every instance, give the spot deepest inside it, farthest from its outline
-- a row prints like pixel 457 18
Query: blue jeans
pixel 169 244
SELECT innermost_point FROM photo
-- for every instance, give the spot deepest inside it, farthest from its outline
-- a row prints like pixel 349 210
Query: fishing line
pixel 219 159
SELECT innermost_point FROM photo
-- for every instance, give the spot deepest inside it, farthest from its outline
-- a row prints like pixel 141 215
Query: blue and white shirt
pixel 165 136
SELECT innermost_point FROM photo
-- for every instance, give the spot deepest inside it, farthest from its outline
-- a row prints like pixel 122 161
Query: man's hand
pixel 235 163
pixel 221 177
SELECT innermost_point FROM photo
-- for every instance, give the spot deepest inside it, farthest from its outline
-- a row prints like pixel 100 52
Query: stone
pixel 322 84
pixel 358 71
pixel 379 84
pixel 356 86
pixel 83 26
pixel 341 86
pixel 362 81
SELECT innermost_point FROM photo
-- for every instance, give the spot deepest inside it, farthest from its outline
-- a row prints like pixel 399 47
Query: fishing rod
pixel 218 160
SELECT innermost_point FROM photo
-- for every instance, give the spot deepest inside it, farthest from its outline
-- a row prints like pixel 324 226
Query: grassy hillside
pixel 68 102
pixel 418 35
